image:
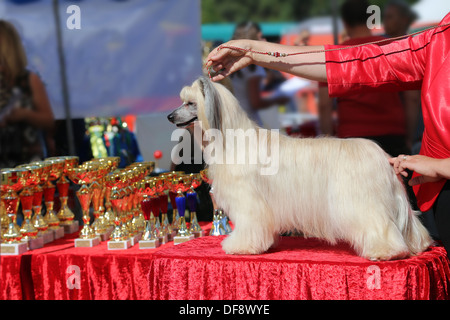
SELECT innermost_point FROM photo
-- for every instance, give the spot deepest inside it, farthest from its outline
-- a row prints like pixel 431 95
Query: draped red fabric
pixel 297 269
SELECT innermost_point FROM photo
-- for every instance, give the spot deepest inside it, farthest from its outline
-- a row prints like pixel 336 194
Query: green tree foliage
pixel 226 11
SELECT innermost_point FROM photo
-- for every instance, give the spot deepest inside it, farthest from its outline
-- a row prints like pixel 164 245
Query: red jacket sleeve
pixel 396 66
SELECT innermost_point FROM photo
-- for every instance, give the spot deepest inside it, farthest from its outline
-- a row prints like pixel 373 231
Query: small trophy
pixel 150 239
pixel 183 233
pixel 191 199
pixel 172 196
pixel 28 230
pixel 38 220
pixel 57 169
pixel 131 176
pixel 97 186
pixel 119 237
pixel 164 205
pixel 105 214
pixel 143 169
pixel 65 215
pixel 11 182
pixel 85 175
pixel 217 228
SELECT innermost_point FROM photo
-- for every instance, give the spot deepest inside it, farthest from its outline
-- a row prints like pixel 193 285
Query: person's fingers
pixel 397 163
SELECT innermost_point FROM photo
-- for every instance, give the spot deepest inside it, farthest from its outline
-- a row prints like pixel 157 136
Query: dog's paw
pixel 231 245
pixel 388 255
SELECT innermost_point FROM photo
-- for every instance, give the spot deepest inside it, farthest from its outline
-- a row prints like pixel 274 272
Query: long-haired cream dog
pixel 333 189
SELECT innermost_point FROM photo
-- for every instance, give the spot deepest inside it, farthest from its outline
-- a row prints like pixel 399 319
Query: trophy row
pixel 129 206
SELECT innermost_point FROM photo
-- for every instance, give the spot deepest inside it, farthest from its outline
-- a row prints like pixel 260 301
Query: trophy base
pixel 13 249
pixel 83 243
pixel 198 234
pixel 135 239
pixel 178 240
pixel 119 245
pixel 34 243
pixel 149 244
pixel 48 236
pixel 58 232
pixel 71 228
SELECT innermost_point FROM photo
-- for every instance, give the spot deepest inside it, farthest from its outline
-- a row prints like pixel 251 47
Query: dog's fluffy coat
pixel 333 189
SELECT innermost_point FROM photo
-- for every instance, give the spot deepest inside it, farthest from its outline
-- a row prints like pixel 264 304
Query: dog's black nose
pixel 170 117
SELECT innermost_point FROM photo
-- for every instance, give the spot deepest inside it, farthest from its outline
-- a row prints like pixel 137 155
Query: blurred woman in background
pixel 26 117
pixel 247 83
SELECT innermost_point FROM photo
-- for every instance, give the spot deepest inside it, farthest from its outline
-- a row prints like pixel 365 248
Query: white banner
pixel 122 57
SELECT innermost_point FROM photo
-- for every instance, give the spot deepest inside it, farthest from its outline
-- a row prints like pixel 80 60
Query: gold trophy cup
pixel 84 175
pixel 57 169
pixel 194 181
pixel 119 237
pixel 38 220
pixel 106 215
pixel 28 230
pixel 65 214
pixel 11 182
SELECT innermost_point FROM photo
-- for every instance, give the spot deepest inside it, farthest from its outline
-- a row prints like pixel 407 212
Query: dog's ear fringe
pixel 213 103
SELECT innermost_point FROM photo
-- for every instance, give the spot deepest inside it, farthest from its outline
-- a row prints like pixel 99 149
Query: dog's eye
pixel 189 103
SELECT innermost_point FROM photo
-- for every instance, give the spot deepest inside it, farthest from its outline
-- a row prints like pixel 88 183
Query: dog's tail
pixel 416 236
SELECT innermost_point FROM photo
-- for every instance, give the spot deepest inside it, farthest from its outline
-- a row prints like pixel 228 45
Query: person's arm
pixel 42 115
pixel 399 65
pixel 430 169
pixel 228 61
pixel 325 112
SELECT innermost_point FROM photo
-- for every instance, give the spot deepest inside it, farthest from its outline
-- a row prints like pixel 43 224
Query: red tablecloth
pixel 43 274
pixel 297 269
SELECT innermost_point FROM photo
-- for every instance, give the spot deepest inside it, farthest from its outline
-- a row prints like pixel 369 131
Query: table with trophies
pixel 125 246
pixel 125 220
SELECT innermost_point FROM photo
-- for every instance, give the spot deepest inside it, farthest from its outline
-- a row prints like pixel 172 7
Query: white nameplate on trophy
pixel 119 245
pixel 59 232
pixel 13 249
pixel 149 244
pixel 178 239
pixel 71 228
pixel 48 236
pixel 36 243
pixel 86 243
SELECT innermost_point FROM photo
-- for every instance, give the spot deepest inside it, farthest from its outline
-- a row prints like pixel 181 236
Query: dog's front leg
pixel 253 231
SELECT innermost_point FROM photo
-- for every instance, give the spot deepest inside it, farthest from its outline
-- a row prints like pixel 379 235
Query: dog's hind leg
pixel 381 242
